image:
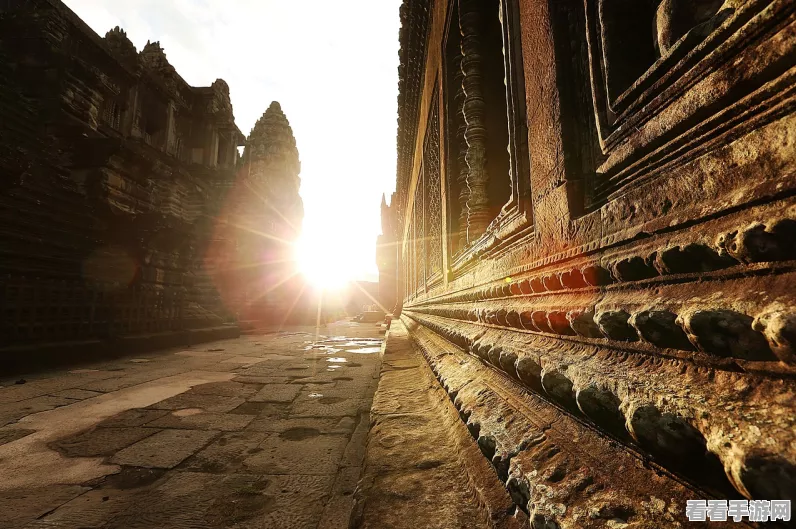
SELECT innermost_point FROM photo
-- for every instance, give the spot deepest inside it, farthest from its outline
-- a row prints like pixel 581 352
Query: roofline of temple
pixel 100 42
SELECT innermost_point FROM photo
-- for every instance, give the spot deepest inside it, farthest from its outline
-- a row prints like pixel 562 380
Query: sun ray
pixel 293 305
pixel 374 300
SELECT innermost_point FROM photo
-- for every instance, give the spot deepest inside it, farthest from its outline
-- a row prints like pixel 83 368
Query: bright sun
pixel 322 262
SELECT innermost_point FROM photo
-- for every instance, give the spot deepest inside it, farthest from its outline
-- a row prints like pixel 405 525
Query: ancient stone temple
pixel 597 238
pixel 118 182
pixel 386 258
pixel 253 259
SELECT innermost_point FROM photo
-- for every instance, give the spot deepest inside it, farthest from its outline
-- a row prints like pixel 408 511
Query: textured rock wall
pixel 105 220
pixel 646 290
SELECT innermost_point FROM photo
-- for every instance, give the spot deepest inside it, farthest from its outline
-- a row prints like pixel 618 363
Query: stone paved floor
pixel 265 431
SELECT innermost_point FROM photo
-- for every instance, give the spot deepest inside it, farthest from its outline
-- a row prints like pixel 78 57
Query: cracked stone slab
pixel 166 449
pixel 92 510
pixel 10 413
pixel 77 394
pixel 21 506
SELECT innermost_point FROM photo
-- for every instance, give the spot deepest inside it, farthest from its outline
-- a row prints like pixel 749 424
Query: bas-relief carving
pixel 433 192
pixel 478 216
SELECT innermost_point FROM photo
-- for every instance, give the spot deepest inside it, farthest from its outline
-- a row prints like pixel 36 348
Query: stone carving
pixel 675 18
pixel 779 328
pixel 659 328
pixel 478 216
pixel 651 295
pixel 724 333
pixel 433 198
pixel 758 242
pixel 461 178
pixel 120 45
pixel 614 324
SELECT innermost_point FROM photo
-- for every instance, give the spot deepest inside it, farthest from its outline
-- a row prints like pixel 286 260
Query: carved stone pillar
pixel 461 178
pixel 478 216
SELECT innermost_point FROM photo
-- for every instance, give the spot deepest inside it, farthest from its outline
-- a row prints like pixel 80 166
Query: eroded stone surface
pixel 185 441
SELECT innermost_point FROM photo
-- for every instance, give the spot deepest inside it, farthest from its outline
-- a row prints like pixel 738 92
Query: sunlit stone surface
pixel 595 227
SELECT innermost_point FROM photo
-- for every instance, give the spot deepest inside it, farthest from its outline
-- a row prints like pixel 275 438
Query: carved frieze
pixel 665 76
pixel 478 214
pixel 433 191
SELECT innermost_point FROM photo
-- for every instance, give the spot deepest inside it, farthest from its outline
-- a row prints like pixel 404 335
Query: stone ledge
pixel 422 468
pixel 36 357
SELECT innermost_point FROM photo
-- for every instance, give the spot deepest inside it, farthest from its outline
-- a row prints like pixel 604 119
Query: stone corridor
pixel 264 431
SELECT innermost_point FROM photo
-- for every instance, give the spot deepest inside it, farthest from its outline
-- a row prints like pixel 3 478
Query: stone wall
pixel 613 232
pixel 114 174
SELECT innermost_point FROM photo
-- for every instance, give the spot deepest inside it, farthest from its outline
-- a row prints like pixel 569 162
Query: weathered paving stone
pixel 102 441
pixel 210 403
pixel 325 425
pixel 338 508
pixel 258 380
pixel 131 418
pixel 227 453
pixel 166 449
pixel 22 506
pixel 327 406
pixel 179 501
pixel 188 470
pixel 11 434
pixel 12 412
pixel 226 389
pixel 225 422
pixel 263 409
pixel 277 393
pixel 77 394
pixel 299 500
pixel 92 510
pixel 298 451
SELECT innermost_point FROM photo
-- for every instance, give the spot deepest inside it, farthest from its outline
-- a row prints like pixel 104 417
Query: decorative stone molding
pixel 121 46
pixel 719 333
pixel 757 242
pixel 478 215
pixel 461 178
pixel 681 426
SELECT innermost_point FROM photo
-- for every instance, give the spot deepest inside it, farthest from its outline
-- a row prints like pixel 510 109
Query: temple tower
pixel 263 221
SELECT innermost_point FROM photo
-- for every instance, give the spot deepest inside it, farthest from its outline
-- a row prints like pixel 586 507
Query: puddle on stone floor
pixel 337 360
pixel 315 395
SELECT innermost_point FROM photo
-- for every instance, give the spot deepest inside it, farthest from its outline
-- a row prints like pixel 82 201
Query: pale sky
pixel 333 66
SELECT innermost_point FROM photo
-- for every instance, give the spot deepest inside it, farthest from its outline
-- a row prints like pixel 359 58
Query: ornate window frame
pixel 516 215
pixel 631 150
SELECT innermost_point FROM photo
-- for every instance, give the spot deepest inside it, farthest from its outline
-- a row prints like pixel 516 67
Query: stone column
pixel 171 129
pixel 478 216
pixel 461 178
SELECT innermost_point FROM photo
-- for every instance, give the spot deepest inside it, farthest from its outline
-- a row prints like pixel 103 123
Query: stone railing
pixel 46 310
